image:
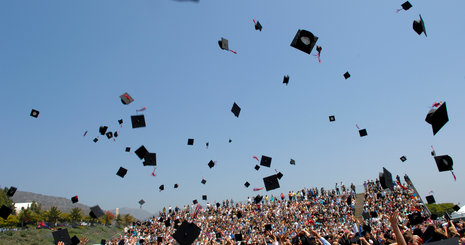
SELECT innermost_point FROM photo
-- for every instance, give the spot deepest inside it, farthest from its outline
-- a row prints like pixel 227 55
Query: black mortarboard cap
pixel 434 217
pixel 75 240
pixel 279 175
pixel 61 236
pixel 258 26
pixel 34 113
pixel 75 199
pixel 407 5
pixel 167 222
pixel 115 134
pixel 162 187
pixel 332 118
pixel 11 192
pixel 5 212
pixel 126 98
pixel 257 167
pixel 95 140
pixel 268 227
pixel 271 182
pixel 415 219
pixel 456 208
pixel 141 152
pixel 204 181
pixel 230 140
pixel 292 162
pixel 385 178
pixel 186 233
pixel 362 132
pixel 190 141
pixel 374 214
pixel 204 197
pixel 120 121
pixel 211 164
pixel 218 204
pixel 304 41
pixel 150 159
pixel 258 199
pixel 103 242
pixel 236 110
pixel 265 161
pixel 194 201
pixel 128 149
pixel 349 200
pixel 419 26
pixel 286 79
pixel 122 172
pixel 141 202
pixel 444 163
pixel 176 185
pixel 102 130
pixel 160 219
pixel 110 135
pixel 437 117
pixel 159 239
pixel 138 121
pixel 346 75
pixel 247 184
pixel 96 212
pixel 224 44
pixel 238 237
pixel 403 158
pixel 430 199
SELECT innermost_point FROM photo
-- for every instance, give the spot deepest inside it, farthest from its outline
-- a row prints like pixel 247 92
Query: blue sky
pixel 72 59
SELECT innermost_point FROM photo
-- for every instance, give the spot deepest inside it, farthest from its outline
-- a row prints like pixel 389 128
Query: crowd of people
pixel 309 216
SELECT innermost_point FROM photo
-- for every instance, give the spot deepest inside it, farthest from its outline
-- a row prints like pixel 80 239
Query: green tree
pixel 53 214
pixel 128 219
pixel 4 200
pixel 75 215
pixel 64 217
pixel 24 216
pixel 441 208
pixel 107 218
pixel 118 220
pixel 11 221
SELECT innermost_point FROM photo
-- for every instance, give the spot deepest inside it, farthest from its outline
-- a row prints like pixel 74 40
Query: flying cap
pixel 186 233
pixel 190 141
pixel 279 175
pixel 109 135
pixel 126 98
pixel 122 172
pixel 5 212
pixel 304 41
pixel 141 202
pixel 150 159
pixel 11 192
pixel 271 182
pixel 456 208
pixel 115 134
pixel 96 212
pixel 204 181
pixel 120 121
pixel 138 121
pixel 407 5
pixel 102 130
pixel 265 161
pixel 204 197
pixel 258 199
pixel 292 162
pixel 75 240
pixel 258 26
pixel 195 201
pixel 224 44
pixel 257 167
pixel 430 199
pixel 128 149
pixel 247 184
pixel 419 26
pixel 176 186
pixel 141 152
pixel 437 117
pixel 362 132
pixel 385 178
pixel 211 164
pixel 236 110
pixel 346 75
pixel 61 236
pixel 286 79
pixel 444 163
pixel 95 140
pixel 75 199
pixel 403 158
pixel 34 113
pixel 162 187
pixel 332 118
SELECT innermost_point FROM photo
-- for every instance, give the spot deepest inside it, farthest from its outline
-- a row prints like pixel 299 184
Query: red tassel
pixel 233 51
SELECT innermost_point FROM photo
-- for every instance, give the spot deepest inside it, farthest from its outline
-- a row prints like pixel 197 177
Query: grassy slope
pixel 44 236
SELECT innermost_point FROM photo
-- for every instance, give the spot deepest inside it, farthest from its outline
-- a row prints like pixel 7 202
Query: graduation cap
pixel 61 236
pixel 265 161
pixel 362 132
pixel 271 182
pixel 456 208
pixel 150 159
pixel 279 175
pixel 115 134
pixel 247 184
pixel 103 242
pixel 110 135
pixel 304 41
pixel 190 141
pixel 415 219
pixel 286 79
pixel 138 121
pixel 141 202
pixel 11 192
pixel 236 110
pixel 349 200
pixel 203 181
pixel 292 162
pixel 218 204
pixel 120 121
pixel 102 130
pixel 258 26
pixel 167 222
pixel 211 164
pixel 230 140
pixel 406 6
pixel 141 152
pixel 186 233
pixel 128 149
pixel 437 117
pixel 430 199
pixel 332 118
pixel 434 217
pixel 374 214
pixel 162 187
pixel 204 197
pixel 238 237
pixel 403 158
pixel 95 140
pixel 444 163
pixel 346 75
pixel 194 201
pixel 176 186
pixel 224 44
pixel 159 239
pixel 257 167
pixel 122 172
pixel 126 99
pixel 258 199
pixel 96 212
pixel 75 240
pixel 385 178
pixel 268 227
pixel 34 113
pixel 419 26
pixel 75 199
pixel 5 212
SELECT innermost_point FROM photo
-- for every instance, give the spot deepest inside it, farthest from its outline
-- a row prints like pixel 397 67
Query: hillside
pixel 64 204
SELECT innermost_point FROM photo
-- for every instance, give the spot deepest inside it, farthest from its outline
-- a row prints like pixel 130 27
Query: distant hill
pixel 137 213
pixel 64 204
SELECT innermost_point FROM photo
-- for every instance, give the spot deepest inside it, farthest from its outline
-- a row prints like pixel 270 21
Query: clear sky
pixel 71 60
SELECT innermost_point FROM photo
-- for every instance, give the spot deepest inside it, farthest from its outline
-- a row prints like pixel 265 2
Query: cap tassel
pixel 127 97
pixel 85 133
pixel 141 109
pixel 318 48
pixel 206 144
pixel 256 158
pixel 398 10
pixel 452 172
pixel 153 172
pixel 233 51
pixel 257 189
pixel 255 23
pixel 356 125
